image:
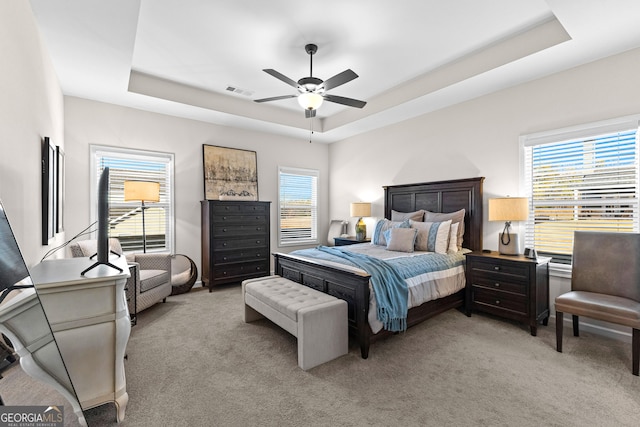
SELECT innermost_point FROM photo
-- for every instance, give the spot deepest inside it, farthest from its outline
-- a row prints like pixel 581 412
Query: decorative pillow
pixel 384 225
pixel 401 239
pixel 455 217
pixel 453 238
pixel 403 216
pixel 432 236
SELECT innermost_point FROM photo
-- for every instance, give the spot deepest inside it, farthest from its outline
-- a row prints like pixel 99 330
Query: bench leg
pixel 251 315
pixel 323 333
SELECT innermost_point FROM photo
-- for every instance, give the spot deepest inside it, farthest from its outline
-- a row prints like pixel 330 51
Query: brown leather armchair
pixel 605 284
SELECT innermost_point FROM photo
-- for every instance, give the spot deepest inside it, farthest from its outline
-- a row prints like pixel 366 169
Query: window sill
pixel 560 270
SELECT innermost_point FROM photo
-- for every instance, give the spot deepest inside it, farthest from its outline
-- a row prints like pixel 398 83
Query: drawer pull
pixel 497 285
pixel 224 244
pixel 258 241
pixel 258 268
pixel 224 217
pixel 224 258
pixel 258 255
pixel 497 302
pixel 258 228
pixel 496 268
pixel 224 230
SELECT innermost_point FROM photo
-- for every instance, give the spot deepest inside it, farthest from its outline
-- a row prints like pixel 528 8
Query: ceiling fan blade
pixel 309 113
pixel 282 77
pixel 339 79
pixel 345 101
pixel 274 98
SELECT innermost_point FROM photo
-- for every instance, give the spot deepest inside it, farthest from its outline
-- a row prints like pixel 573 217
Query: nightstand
pixel 510 286
pixel 350 240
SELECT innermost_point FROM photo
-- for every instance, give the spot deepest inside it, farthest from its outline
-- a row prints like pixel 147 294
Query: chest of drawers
pixel 235 241
pixel 514 287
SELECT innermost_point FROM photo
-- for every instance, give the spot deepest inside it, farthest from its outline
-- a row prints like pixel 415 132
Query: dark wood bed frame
pixel 441 196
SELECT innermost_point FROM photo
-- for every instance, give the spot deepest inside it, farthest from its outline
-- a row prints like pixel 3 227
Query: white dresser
pixel 90 321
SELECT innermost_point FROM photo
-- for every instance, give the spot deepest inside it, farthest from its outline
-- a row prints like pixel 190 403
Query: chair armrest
pixel 154 261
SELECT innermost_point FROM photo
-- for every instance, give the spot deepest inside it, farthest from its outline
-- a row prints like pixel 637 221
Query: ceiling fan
pixel 312 90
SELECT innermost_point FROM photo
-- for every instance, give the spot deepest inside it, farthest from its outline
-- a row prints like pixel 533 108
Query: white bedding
pixel 423 287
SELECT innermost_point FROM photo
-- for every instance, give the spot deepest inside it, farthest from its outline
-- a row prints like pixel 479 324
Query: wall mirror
pixel 27 338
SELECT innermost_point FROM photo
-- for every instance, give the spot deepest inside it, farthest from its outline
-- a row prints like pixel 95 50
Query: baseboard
pixel 597 329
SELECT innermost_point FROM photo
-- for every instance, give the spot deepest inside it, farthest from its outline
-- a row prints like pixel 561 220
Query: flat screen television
pixel 103 251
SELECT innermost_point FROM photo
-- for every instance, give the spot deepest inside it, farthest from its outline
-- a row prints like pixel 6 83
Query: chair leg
pixel 635 350
pixel 559 316
pixel 576 328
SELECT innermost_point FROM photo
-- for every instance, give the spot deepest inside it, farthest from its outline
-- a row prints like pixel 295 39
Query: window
pixel 126 217
pixel 298 206
pixel 583 178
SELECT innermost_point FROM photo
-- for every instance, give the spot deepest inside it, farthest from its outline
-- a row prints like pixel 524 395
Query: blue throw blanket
pixel 389 286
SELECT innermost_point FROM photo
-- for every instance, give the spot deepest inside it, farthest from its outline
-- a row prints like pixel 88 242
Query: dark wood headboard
pixel 442 196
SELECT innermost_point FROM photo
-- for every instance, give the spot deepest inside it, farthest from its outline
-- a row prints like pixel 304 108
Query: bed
pixel 352 285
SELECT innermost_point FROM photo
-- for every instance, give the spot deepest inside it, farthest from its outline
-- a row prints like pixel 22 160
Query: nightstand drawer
pixel 491 268
pixel 498 284
pixel 500 300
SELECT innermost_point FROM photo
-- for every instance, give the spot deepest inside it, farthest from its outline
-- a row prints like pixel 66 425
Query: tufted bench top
pixel 284 295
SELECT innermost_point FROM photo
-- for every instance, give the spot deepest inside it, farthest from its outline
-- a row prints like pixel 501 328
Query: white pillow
pixel 432 236
pixel 453 238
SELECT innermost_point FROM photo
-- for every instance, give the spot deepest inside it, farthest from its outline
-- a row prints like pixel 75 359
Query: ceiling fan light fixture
pixel 310 100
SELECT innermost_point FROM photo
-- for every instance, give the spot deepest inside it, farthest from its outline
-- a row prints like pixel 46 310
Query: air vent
pixel 240 91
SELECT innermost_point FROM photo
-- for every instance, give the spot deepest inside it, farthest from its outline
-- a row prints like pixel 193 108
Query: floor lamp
pixel 142 191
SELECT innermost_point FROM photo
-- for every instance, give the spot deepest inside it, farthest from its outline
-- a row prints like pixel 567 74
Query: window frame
pixel 583 131
pixel 314 240
pixel 128 153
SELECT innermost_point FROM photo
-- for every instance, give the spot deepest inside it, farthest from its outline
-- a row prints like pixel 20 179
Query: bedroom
pixel 479 138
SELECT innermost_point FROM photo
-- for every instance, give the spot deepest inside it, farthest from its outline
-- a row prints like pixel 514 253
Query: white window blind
pixel 588 183
pixel 298 206
pixel 125 218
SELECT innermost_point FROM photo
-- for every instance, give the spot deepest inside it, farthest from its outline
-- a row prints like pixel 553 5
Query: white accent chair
pixel 151 279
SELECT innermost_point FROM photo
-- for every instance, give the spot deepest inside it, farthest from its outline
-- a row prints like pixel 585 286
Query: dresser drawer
pixel 224 271
pixel 251 254
pixel 500 300
pixel 498 283
pixel 238 208
pixel 239 219
pixel 504 270
pixel 221 231
pixel 248 243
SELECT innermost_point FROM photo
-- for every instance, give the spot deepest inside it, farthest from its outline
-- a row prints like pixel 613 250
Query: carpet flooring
pixel 192 361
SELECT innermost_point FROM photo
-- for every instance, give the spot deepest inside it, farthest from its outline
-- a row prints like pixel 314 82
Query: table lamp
pixel 143 191
pixel 508 209
pixel 360 209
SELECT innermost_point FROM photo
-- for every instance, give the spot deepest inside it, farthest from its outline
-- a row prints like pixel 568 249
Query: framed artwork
pixel 48 191
pixel 229 173
pixel 60 189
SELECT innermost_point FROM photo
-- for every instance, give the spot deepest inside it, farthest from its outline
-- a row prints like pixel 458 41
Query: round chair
pixel 183 274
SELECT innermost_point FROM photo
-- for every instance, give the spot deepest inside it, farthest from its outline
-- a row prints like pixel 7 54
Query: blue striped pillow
pixel 432 236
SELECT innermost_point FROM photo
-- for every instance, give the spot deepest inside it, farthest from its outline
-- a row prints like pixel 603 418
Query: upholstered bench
pixel 318 320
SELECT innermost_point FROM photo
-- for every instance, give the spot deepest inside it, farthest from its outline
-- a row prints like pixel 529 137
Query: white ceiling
pixel 178 57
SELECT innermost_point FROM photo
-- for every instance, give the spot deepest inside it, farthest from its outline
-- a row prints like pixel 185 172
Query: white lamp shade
pixel 360 209
pixel 508 209
pixel 310 100
pixel 145 191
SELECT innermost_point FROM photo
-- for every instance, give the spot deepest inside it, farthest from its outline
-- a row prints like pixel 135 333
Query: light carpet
pixel 193 362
